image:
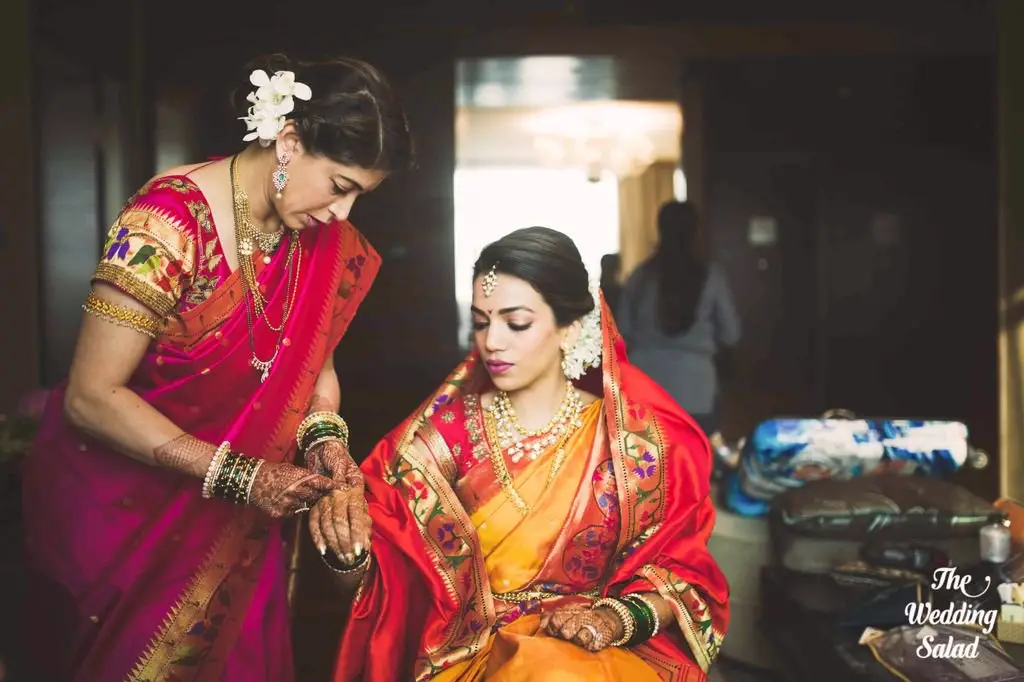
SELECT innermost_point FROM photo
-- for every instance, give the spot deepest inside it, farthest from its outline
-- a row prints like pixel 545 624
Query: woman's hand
pixel 592 629
pixel 284 489
pixel 332 459
pixel 341 523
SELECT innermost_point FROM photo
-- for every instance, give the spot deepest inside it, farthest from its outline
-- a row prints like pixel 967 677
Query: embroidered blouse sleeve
pixel 150 251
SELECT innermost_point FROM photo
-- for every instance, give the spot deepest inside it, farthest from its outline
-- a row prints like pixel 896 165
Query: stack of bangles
pixel 638 615
pixel 230 475
pixel 318 428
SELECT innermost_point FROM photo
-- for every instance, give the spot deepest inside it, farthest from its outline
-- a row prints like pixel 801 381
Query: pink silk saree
pixel 137 578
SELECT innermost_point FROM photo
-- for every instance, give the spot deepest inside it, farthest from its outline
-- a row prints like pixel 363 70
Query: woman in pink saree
pixel 155 492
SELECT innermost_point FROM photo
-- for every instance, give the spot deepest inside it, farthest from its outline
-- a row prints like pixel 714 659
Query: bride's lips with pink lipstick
pixel 311 221
pixel 498 367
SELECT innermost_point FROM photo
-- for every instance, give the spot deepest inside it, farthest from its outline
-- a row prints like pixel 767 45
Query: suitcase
pixel 786 453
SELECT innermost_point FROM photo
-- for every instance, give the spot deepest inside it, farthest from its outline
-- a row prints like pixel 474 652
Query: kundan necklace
pixel 516 440
pixel 246 234
pixel 509 436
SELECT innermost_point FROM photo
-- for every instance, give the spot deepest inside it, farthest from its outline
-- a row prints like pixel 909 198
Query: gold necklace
pixel 251 236
pixel 556 434
pixel 516 440
pixel 255 298
pixel 245 234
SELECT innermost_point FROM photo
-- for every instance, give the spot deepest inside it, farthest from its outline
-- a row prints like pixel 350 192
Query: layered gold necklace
pixel 509 437
pixel 247 238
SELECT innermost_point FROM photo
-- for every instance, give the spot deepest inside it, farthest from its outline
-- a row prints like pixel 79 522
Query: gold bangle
pixel 317 417
pixel 325 439
pixel 622 611
pixel 123 316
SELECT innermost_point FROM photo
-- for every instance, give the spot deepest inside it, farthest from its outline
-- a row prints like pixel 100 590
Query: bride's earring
pixel 566 352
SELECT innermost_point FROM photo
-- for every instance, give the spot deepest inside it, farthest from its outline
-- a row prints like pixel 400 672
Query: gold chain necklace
pixel 246 235
pixel 243 238
pixel 251 236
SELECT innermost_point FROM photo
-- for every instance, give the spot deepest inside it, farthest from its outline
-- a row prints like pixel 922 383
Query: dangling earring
pixel 281 174
pixel 566 351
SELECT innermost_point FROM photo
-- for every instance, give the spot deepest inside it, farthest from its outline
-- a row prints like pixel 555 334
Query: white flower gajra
pixel 586 352
pixel 272 101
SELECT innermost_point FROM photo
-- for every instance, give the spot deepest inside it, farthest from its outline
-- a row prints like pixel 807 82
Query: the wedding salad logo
pixel 955 613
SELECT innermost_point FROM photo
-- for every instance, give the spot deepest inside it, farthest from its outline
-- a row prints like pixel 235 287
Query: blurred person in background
pixel 678 317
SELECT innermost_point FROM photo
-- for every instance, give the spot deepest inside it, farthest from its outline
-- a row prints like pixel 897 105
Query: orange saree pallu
pixel 136 576
pixel 464 565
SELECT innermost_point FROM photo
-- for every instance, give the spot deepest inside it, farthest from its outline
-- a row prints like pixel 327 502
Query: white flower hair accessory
pixel 586 352
pixel 272 100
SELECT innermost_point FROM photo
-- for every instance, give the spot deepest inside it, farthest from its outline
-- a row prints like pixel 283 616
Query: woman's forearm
pixel 665 614
pixel 326 391
pixel 130 425
pixel 99 403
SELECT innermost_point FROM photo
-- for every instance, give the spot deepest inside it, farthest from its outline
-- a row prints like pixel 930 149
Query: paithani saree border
pixel 668 669
pixel 449 537
pixel 691 611
pixel 637 456
pixel 182 645
pixel 297 404
pixel 440 450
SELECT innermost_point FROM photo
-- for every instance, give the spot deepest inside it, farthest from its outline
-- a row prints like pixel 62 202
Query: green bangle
pixel 641 612
pixel 318 431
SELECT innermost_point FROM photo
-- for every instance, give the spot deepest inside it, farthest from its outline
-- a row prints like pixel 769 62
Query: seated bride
pixel 544 515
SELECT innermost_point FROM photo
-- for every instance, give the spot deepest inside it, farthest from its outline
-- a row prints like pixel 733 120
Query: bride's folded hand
pixel 340 523
pixel 592 629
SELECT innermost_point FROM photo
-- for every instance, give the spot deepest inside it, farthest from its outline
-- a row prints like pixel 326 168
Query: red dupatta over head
pixel 426 603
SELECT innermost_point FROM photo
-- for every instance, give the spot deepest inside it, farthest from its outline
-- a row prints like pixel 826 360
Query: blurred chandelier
pixel 612 136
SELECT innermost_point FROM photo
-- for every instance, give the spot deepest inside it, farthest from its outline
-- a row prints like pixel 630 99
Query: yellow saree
pixel 518 545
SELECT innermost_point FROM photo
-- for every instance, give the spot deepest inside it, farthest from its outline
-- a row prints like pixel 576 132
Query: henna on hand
pixel 319 403
pixel 284 489
pixel 332 459
pixel 186 454
pixel 591 629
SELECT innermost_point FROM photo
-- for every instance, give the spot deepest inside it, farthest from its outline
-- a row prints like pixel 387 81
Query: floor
pixel 727 671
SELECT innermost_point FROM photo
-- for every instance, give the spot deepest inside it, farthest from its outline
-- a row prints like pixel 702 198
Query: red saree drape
pixel 137 577
pixel 426 603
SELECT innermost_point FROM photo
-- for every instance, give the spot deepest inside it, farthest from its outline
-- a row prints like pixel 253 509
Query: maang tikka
pixel 490 281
